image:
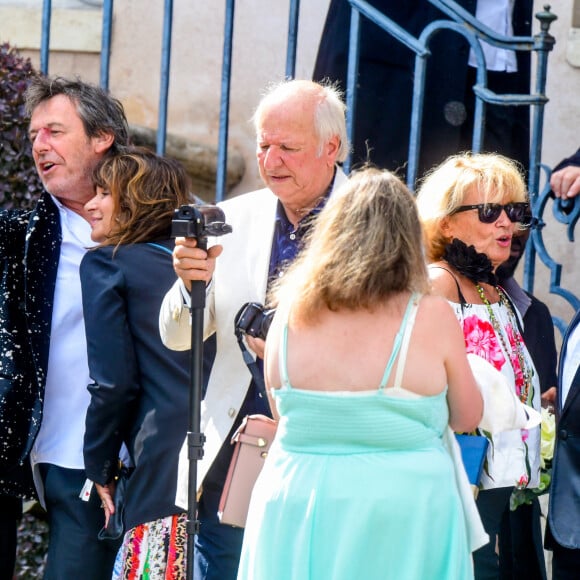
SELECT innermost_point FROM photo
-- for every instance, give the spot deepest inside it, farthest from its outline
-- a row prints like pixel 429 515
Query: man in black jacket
pixel 43 358
pixel 563 530
pixel 521 530
pixel 385 85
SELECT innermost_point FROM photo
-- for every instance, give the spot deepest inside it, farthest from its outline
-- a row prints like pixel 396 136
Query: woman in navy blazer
pixel 140 392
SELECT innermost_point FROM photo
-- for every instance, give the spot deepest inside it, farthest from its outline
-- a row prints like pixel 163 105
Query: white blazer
pixel 240 276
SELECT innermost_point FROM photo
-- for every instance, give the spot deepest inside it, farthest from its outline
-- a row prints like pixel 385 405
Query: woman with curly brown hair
pixel 139 396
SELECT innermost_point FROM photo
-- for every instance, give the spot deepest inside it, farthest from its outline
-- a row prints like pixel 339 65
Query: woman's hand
pixel 107 493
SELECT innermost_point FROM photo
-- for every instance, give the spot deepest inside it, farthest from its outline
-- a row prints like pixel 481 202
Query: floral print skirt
pixel 153 551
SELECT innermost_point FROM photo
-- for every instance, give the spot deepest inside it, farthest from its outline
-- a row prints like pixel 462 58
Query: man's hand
pixel 257 345
pixel 565 183
pixel 193 263
pixel 549 398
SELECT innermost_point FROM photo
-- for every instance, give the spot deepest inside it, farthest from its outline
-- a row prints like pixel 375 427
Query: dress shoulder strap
pixel 282 357
pixel 406 339
pixel 397 343
pixel 462 300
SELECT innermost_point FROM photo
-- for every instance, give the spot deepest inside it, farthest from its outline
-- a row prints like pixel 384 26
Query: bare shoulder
pixel 271 353
pixel 443 282
pixel 436 316
pixel 436 306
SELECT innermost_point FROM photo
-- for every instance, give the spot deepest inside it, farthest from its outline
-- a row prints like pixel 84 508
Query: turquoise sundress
pixel 357 485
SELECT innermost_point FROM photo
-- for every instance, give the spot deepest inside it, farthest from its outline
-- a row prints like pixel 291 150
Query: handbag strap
pixel 515 311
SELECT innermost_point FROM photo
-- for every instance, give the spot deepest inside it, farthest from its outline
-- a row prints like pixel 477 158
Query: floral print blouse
pixel 513 457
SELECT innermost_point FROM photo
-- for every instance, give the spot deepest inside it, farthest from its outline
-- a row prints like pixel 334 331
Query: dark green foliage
pixel 19 182
pixel 32 545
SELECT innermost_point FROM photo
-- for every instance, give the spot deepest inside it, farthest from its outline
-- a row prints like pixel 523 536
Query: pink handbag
pixel 252 441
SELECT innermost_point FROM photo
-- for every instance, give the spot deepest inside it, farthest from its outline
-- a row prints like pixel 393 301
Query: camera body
pixel 253 319
pixel 199 221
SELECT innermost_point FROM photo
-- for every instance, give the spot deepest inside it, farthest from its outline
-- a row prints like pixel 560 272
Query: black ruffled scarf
pixel 469 262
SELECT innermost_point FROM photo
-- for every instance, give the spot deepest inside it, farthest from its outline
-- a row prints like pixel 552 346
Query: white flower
pixel 547 437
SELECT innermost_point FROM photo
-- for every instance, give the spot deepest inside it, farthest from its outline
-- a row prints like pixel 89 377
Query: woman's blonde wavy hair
pixel 444 189
pixel 365 247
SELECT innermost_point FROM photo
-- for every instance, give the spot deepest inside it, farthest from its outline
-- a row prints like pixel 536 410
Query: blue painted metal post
pixel 45 36
pixel 222 161
pixel 422 52
pixel 361 7
pixel 106 43
pixel 164 81
pixel 416 119
pixel 292 38
pixel 351 80
pixel 544 43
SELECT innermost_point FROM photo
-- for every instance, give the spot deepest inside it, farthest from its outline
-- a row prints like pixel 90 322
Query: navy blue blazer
pixel 140 391
pixel 564 510
pixel 29 251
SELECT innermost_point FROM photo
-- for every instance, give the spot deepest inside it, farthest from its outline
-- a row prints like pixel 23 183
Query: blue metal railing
pixel 106 43
pixel 45 36
pixel 165 66
pixel 465 24
pixel 461 22
pixel 222 161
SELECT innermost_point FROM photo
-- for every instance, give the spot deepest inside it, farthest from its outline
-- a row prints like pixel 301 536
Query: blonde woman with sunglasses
pixel 471 206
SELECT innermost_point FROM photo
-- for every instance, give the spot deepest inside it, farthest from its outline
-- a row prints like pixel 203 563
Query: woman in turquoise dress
pixel 363 480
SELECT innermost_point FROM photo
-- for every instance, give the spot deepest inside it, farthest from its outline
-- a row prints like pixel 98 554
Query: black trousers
pixel 492 504
pixel 10 513
pixel 74 551
pixel 565 563
pixel 218 546
pixel 521 549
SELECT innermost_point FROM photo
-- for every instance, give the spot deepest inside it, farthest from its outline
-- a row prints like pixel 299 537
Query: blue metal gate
pixel 461 22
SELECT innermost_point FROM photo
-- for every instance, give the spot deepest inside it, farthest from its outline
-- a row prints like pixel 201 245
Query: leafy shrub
pixel 20 185
pixel 32 545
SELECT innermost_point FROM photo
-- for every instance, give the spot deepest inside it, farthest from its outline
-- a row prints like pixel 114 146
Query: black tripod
pixel 199 222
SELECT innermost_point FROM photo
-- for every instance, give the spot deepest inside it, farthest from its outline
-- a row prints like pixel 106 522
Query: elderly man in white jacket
pixel 301 136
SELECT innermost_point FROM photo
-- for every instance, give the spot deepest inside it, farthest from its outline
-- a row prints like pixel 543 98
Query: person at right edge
pixel 563 527
pixel 521 529
pixel 565 178
pixel 470 206
pixel 385 81
pixel 301 136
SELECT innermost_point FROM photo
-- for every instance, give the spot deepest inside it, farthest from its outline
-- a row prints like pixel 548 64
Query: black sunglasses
pixel 490 212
